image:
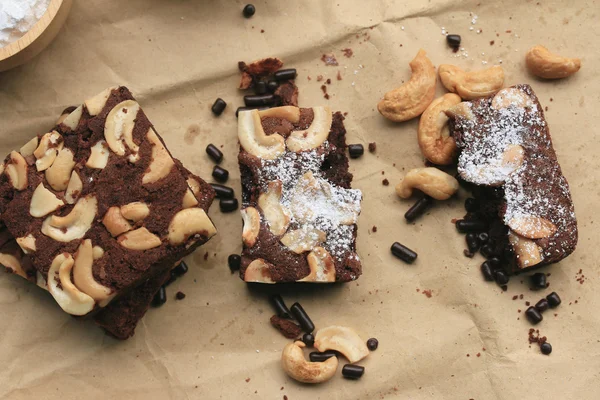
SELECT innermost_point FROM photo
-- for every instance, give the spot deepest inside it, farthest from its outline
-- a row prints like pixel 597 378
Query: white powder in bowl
pixel 17 17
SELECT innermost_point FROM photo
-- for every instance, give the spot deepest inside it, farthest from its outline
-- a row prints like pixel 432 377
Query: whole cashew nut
pixel 315 135
pixel 342 339
pixel 430 181
pixel 544 64
pixel 474 84
pixel 68 297
pixel 83 275
pixel 411 99
pixel 434 136
pixel 296 366
pixel 255 141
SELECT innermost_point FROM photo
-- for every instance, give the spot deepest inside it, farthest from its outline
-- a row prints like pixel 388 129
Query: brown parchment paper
pixel 177 57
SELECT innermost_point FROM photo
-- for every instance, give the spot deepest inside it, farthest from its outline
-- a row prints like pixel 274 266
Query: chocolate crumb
pixel 206 256
pixel 328 81
pixel 247 380
pixel 372 148
pixel 428 293
pixel 329 59
pixel 348 52
pixel 374 228
pixel 339 76
pixel 319 78
pixel 287 328
pixel 180 296
pixel 385 182
pixel 515 297
pixel 492 42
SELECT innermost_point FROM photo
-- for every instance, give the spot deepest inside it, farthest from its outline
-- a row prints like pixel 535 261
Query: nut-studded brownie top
pixel 98 204
pixel 299 211
pixel 504 141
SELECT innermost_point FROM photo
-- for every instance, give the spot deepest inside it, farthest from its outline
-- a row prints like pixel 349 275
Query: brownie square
pixel 99 206
pixel 506 150
pixel 299 210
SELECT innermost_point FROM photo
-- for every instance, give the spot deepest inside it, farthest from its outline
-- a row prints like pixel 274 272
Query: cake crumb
pixel 348 52
pixel 329 59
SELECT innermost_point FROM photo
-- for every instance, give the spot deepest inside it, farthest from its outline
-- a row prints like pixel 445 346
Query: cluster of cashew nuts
pixel 339 338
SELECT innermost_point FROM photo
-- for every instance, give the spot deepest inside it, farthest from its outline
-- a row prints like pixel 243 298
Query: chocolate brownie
pixel 299 210
pixel 99 205
pixel 505 143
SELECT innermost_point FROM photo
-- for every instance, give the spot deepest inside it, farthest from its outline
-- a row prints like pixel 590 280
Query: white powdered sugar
pixel 17 17
pixel 312 202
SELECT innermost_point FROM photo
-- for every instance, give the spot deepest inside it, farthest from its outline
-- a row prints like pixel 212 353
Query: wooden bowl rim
pixel 32 34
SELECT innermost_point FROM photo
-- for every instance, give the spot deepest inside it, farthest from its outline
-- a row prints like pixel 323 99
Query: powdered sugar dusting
pixel 312 202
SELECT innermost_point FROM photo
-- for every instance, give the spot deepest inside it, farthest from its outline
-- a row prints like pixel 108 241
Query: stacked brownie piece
pixel 299 210
pixel 97 211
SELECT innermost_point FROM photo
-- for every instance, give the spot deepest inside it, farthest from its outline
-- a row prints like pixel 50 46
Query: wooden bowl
pixel 38 37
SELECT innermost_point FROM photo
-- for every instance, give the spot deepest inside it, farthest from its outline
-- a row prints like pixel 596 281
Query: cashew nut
pixel 72 120
pixel 251 219
pixel 270 204
pixel 474 84
pixel 59 173
pixel 298 368
pixel 315 135
pixel 434 136
pixel 43 202
pixel 461 110
pixel 430 181
pixel 50 144
pixel 322 266
pixel 544 64
pixel 161 163
pixel 511 97
pixel 303 239
pixel 97 103
pixel 258 271
pixel 189 200
pixel 135 211
pixel 527 251
pixel 139 239
pixel 253 139
pixel 99 156
pixel 342 339
pixel 75 224
pixel 29 147
pixel 16 170
pixel 411 99
pixel 189 222
pixel 289 113
pixel 27 244
pixel 532 227
pixel 13 263
pixel 74 188
pixel 118 130
pixel 68 297
pixel 115 223
pixel 83 275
